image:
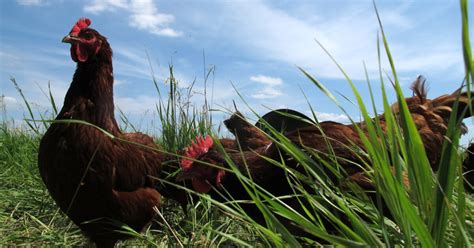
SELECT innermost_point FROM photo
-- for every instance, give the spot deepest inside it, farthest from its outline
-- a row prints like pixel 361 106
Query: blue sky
pixel 255 45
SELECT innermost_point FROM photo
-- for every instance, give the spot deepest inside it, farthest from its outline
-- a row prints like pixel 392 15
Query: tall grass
pixel 180 120
pixel 432 211
pixel 30 217
pixel 28 214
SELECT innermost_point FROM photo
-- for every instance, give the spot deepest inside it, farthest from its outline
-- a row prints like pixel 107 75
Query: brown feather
pixel 419 88
pixel 249 136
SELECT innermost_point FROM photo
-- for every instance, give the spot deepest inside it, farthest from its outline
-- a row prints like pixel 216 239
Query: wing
pixel 137 160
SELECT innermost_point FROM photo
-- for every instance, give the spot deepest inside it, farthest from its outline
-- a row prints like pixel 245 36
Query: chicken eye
pixel 88 36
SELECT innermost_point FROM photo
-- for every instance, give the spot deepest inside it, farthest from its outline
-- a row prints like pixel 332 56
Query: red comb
pixel 196 149
pixel 80 24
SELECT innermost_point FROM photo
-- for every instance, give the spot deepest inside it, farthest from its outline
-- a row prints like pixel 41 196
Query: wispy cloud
pixel 30 2
pixel 143 15
pixel 132 62
pixel 99 6
pixel 276 34
pixel 271 81
pixel 322 116
pixel 146 17
pixel 136 105
pixel 270 89
pixel 6 100
pixel 267 93
pixel 118 82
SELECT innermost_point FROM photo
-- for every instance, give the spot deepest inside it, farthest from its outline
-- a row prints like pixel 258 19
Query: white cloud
pixel 347 30
pixel 270 89
pixel 322 116
pixel 144 15
pixel 271 81
pixel 30 2
pixel 470 126
pixel 118 82
pixel 276 35
pixel 267 93
pixel 136 105
pixel 105 5
pixel 9 100
pixel 132 63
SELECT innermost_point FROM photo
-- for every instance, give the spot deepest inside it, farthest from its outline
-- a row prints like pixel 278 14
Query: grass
pixel 29 215
pixel 433 212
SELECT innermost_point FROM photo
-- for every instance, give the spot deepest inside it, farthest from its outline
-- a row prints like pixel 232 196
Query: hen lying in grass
pixel 258 162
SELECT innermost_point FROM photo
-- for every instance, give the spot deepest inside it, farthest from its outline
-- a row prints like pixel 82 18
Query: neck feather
pixel 90 96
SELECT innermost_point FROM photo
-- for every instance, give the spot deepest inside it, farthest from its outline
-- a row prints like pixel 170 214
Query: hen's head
pixel 86 43
pixel 196 165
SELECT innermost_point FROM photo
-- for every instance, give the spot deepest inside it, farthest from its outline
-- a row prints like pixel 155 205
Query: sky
pixel 254 46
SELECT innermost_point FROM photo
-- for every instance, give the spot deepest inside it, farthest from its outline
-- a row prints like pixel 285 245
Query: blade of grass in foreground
pixel 450 164
pixel 418 166
pixel 466 44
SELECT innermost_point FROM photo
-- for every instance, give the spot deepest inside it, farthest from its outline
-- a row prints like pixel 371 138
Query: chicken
pixel 430 117
pixel 205 177
pixel 223 185
pixel 249 139
pixel 252 137
pixel 283 120
pixel 171 188
pixel 249 136
pixel 95 179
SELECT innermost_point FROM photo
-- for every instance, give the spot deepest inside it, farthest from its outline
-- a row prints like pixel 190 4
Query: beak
pixel 69 39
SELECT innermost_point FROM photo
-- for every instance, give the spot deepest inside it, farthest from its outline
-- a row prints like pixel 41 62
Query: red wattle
pixel 82 54
pixel 73 53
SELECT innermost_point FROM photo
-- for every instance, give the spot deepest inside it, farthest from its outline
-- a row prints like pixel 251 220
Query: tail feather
pixel 438 111
pixel 443 105
pixel 419 88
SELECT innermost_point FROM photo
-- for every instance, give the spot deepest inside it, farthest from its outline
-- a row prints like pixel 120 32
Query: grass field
pixel 433 212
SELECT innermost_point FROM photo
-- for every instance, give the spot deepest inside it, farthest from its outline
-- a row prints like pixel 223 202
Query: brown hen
pixel 97 180
pixel 224 185
pixel 249 136
pixel 430 118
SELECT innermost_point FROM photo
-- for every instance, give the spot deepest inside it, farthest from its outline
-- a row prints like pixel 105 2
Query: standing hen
pixel 97 180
